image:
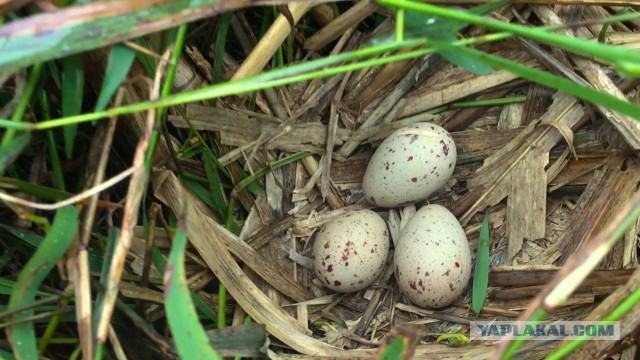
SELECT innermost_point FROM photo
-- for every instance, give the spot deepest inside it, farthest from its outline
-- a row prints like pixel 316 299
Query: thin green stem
pixel 490 102
pixel 625 306
pixel 612 54
pixel 615 315
pixel 166 90
pixel 54 157
pixel 18 115
pixel 400 25
pixel 273 78
pixel 539 315
pixel 242 86
pixel 222 305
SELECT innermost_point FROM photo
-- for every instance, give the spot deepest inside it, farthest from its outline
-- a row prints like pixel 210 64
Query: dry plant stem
pixel 551 63
pixel 313 84
pixel 270 42
pixel 115 342
pixel 389 104
pixel 338 26
pixel 577 268
pixel 40 316
pixel 377 299
pixel 144 326
pixel 82 277
pixel 148 251
pixel 626 127
pixel 311 165
pixel 72 200
pixel 325 180
pixel 211 239
pixel 130 218
pixel 35 304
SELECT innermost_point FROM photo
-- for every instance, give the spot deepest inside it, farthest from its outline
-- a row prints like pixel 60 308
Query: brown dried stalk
pixel 137 187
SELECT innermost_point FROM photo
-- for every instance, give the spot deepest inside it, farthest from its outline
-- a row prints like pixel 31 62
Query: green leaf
pixel 54 246
pixel 435 28
pixel 188 334
pixel 474 66
pixel 72 93
pixel 481 272
pixel 452 340
pixel 394 351
pixel 438 28
pixel 120 61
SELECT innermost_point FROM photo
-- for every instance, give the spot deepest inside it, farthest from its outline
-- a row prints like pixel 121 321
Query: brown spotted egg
pixel 409 165
pixel 350 252
pixel 432 258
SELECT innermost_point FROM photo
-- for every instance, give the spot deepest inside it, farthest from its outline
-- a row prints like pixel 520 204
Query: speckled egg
pixel 350 252
pixel 409 165
pixel 432 259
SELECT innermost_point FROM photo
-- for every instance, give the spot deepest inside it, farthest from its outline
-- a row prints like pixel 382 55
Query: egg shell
pixel 409 165
pixel 350 252
pixel 432 258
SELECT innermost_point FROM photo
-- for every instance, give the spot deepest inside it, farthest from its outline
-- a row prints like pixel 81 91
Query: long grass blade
pixel 72 94
pixel 481 272
pixel 263 171
pixel 120 61
pixel 58 239
pixel 552 81
pixel 620 57
pixel 189 336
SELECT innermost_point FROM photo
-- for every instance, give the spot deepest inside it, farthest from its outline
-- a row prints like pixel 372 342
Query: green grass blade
pixel 58 239
pixel 395 350
pixel 552 81
pixel 458 58
pixel 438 28
pixel 10 152
pixel 618 56
pixel 263 171
pixel 166 90
pixel 112 239
pixel 72 93
pixel 190 338
pixel 481 272
pixel 215 184
pixel 624 307
pixel 39 191
pixel 421 25
pixel 25 97
pixel 221 40
pixel 279 77
pixel 6 356
pixel 120 61
pixel 54 158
